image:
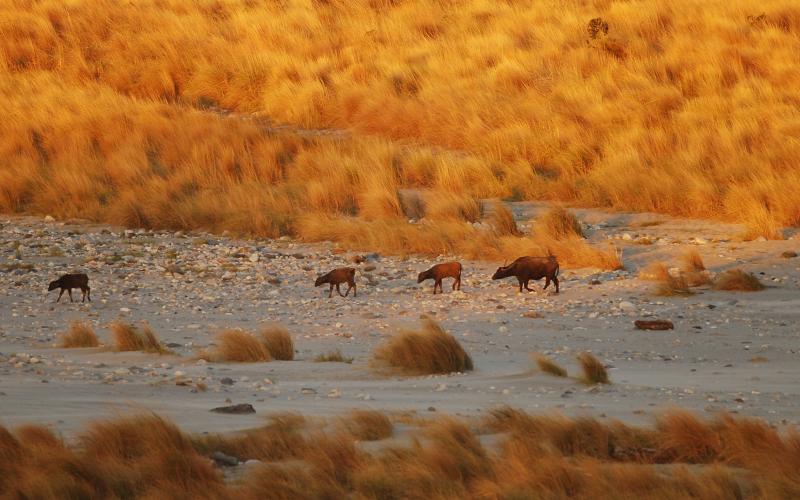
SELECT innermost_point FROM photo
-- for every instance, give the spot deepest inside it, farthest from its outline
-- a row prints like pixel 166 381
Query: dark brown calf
pixel 70 281
pixel 336 278
pixel 441 271
pixel 530 268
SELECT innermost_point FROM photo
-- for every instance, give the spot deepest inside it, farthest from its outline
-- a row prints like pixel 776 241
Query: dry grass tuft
pixel 129 338
pixel 547 365
pixel 736 280
pixel 559 224
pixel 668 285
pixel 594 372
pixel 502 220
pixel 239 346
pixel 80 334
pixel 282 438
pixel 278 342
pixel 682 437
pixel 368 425
pixel 335 356
pixel 692 262
pixel 426 351
pixel 693 268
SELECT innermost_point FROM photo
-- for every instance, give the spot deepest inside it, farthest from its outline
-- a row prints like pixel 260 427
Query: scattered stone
pixel 627 306
pixel 224 460
pixel 240 409
pixel 789 254
pixel 654 324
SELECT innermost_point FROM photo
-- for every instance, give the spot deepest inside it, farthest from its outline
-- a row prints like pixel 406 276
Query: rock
pixel 226 381
pixel 335 393
pixel 532 315
pixel 653 324
pixel 224 460
pixel 254 257
pixel 307 390
pixel 789 254
pixel 357 259
pixel 240 409
pixel 627 306
pixel 49 218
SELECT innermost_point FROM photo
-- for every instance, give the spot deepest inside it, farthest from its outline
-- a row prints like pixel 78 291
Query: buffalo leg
pixel 355 289
pixel 347 292
pixel 546 282
pixel 555 281
pixel 59 295
pixel 89 293
pixel 339 291
pixel 330 292
pixel 69 291
pixel 520 285
pixel 527 287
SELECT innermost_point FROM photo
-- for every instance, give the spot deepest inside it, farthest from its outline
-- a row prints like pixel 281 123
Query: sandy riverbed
pixel 729 351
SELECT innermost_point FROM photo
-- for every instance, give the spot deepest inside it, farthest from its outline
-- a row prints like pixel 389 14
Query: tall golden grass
pixel 368 425
pixel 680 107
pixel 426 351
pixel 535 456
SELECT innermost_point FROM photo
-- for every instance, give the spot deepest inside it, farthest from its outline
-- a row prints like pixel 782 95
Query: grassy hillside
pixel 112 113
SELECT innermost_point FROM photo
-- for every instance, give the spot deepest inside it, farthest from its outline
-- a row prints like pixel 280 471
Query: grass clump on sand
pixel 594 372
pixel 80 334
pixel 427 351
pixel 368 425
pixel 668 285
pixel 129 338
pixel 547 365
pixel 237 345
pixel 693 268
pixel 334 356
pixel 736 280
pixel 278 342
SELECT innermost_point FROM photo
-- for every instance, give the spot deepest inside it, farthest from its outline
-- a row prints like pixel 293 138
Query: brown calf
pixel 441 271
pixel 70 281
pixel 530 268
pixel 336 278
